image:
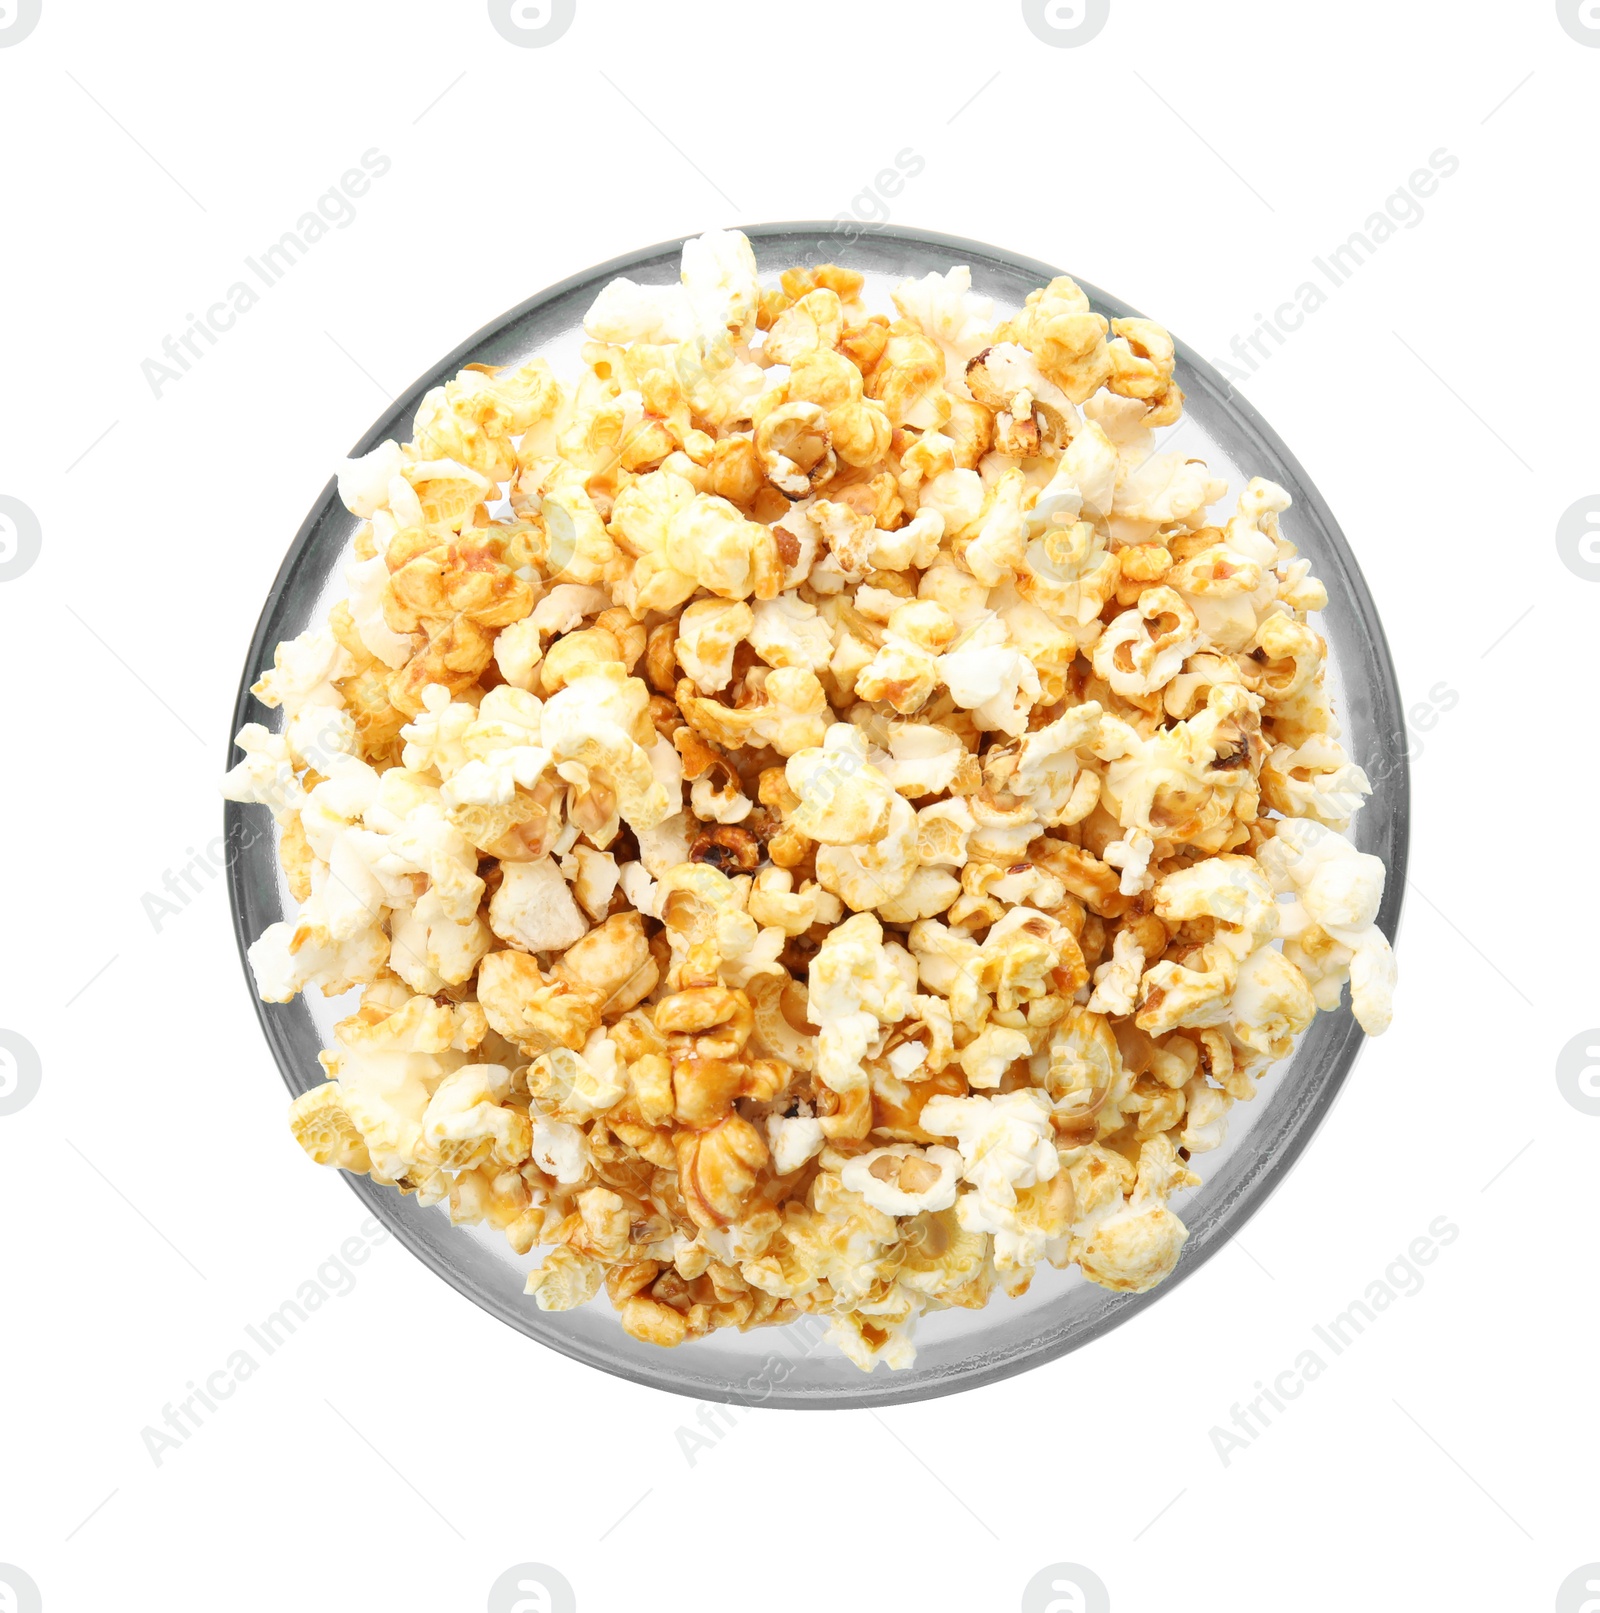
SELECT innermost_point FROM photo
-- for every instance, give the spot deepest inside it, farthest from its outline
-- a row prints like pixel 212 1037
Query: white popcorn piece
pixel 1006 1145
pixel 947 309
pixel 856 988
pixel 793 1140
pixel 905 1180
pixel 534 909
pixel 1339 889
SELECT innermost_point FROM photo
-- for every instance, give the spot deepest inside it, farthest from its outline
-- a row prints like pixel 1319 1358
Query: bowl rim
pixel 1355 595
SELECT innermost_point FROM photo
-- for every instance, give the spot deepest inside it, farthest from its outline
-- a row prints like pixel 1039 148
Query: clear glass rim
pixel 428 1235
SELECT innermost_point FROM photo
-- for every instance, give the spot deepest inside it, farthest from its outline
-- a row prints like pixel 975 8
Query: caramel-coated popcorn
pixel 822 815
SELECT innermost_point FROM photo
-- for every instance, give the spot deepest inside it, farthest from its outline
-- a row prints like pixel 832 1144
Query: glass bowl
pixel 956 1349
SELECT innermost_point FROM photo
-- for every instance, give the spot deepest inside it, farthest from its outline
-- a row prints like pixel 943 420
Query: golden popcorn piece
pixel 565 1280
pixel 322 1126
pixel 794 448
pixel 1067 338
pixel 718 1168
pixel 846 840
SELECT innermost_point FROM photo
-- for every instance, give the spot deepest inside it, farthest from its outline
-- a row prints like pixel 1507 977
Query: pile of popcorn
pixel 821 814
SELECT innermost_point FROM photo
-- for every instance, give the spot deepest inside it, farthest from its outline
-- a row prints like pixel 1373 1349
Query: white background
pixel 405 1449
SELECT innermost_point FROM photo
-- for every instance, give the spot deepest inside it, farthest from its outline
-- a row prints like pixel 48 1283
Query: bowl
pixel 957 1349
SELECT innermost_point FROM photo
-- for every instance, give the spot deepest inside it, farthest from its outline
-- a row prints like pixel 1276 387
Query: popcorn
pixel 945 308
pixel 843 799
pixel 1006 1145
pixel 987 1057
pixel 990 678
pixel 865 876
pixel 793 1140
pixel 856 988
pixel 322 1126
pixel 980 789
pixel 788 632
pixel 1138 1244
pixel 708 633
pixel 1145 647
pixel 1339 890
pixel 466 1124
pixel 534 908
pixel 903 1179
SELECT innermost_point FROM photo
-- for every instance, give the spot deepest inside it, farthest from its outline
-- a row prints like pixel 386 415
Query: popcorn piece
pixel 1339 891
pixel 922 760
pixel 843 800
pixel 1067 338
pixel 793 1141
pixel 788 632
pixel 575 1087
pixel 856 987
pixel 945 308
pixel 992 1052
pixel 466 1124
pixel 1006 1146
pixel 596 730
pixel 1116 982
pixel 1132 1249
pixel 322 1126
pixel 1144 648
pixel 903 1179
pixel 533 908
pixel 995 682
pixel 708 633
